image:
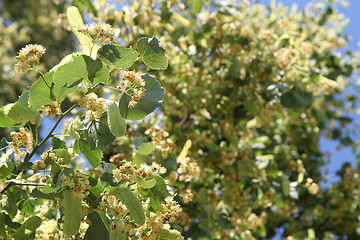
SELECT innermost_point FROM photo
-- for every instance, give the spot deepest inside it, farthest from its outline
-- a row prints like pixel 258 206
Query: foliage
pixel 234 153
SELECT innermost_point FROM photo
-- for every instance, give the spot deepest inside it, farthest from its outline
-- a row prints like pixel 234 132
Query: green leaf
pixel 151 53
pixel 139 159
pixel 68 76
pixel 72 218
pixel 296 99
pixel 44 192
pixel 117 56
pixel 90 6
pixel 152 99
pixel 197 4
pixel 94 156
pixel 170 234
pixel 67 59
pixel 64 154
pixel 41 92
pixel 56 143
pixel 107 176
pixel 75 126
pixel 6 169
pixel 285 185
pixel 146 183
pixel 97 230
pixel 97 133
pixel 31 225
pixel 20 111
pixel 157 193
pixel 75 21
pixel 146 148
pixel 132 203
pixel 115 121
pixel 2 225
pixel 5 121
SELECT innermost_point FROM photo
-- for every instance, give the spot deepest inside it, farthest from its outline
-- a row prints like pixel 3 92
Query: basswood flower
pixel 94 106
pixel 134 86
pixel 22 138
pixel 29 56
pixel 103 33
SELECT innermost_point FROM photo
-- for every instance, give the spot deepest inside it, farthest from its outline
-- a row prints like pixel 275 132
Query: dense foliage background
pixel 248 92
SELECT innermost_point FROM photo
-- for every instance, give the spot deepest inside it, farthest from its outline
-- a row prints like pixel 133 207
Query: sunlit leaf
pixel 41 92
pixel 117 56
pixel 115 121
pixel 21 112
pixel 152 53
pixel 76 22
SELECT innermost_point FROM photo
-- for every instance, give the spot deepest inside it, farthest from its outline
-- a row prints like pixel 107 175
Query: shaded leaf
pixel 152 99
pixel 6 169
pixel 31 225
pixel 94 156
pixel 296 99
pixel 97 133
pixel 132 203
pixel 97 230
pixel 44 192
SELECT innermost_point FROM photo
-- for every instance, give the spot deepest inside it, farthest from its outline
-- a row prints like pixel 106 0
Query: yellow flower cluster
pixel 160 138
pixel 22 138
pixel 134 85
pixel 188 170
pixel 104 32
pixel 79 183
pixel 51 110
pixel 94 106
pixel 29 56
pixel 128 170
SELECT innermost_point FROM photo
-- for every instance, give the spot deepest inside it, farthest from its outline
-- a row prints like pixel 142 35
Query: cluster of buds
pixel 187 195
pixel 94 106
pixel 160 138
pixel 103 33
pixel 22 138
pixel 79 183
pixel 188 170
pixel 312 186
pixel 134 86
pixel 286 58
pixel 127 170
pixel 51 110
pixel 41 163
pixel 154 222
pixel 29 56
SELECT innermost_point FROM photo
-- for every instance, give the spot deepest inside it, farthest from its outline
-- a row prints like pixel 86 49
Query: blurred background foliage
pixel 252 86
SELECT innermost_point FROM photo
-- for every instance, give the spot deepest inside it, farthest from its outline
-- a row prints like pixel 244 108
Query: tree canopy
pixel 243 93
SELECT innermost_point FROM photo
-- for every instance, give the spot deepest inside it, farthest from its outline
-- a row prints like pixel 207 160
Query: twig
pixel 50 134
